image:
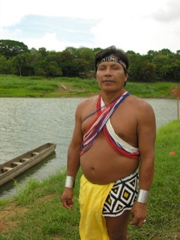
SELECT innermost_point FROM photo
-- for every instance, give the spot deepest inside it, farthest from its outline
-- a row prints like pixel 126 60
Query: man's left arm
pixel 146 142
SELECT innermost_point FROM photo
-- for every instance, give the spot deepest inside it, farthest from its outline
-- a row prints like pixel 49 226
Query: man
pixel 114 134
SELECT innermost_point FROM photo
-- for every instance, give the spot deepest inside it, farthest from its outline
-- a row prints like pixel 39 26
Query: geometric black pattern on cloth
pixel 122 196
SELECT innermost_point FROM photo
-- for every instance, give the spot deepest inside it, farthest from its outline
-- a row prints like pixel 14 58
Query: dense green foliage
pixel 40 215
pixel 16 58
pixel 11 48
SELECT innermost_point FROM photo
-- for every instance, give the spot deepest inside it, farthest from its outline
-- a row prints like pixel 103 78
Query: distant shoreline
pixel 40 87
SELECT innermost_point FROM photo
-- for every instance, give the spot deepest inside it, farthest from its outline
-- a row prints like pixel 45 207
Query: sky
pixel 132 25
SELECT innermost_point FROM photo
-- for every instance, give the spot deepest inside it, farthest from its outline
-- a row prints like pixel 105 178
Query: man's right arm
pixel 73 159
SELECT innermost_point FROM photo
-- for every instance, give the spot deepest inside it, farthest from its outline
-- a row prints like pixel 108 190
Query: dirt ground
pixel 7 214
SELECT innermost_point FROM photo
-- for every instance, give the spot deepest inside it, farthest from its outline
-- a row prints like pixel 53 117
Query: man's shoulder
pixel 87 101
pixel 138 101
pixel 140 106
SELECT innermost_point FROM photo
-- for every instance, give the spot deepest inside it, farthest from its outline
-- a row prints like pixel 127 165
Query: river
pixel 26 123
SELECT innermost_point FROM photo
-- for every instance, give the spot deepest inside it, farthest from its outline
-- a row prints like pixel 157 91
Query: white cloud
pixel 12 11
pixel 50 42
pixel 7 34
pixel 170 13
pixel 140 25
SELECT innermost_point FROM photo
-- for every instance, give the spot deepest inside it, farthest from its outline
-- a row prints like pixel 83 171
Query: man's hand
pixel 66 198
pixel 139 213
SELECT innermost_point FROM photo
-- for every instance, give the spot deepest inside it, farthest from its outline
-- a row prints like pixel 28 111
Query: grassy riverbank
pixel 36 213
pixel 14 86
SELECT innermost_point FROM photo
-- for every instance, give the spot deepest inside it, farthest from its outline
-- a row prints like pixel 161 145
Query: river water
pixel 26 123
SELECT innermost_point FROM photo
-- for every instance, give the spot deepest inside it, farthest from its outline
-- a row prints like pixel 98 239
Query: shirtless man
pixel 120 140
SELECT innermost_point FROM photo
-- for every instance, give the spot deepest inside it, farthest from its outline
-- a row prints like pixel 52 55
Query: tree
pixel 95 50
pixel 52 69
pixel 135 62
pixel 88 55
pixel 43 51
pixel 83 67
pixel 22 64
pixel 6 66
pixel 70 68
pixel 15 58
pixel 72 51
pixel 35 59
pixel 11 48
pixel 148 72
pixel 39 69
pixel 165 51
pixel 65 56
pixel 173 72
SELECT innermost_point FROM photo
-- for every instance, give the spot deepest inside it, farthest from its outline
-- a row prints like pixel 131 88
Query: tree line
pixel 16 58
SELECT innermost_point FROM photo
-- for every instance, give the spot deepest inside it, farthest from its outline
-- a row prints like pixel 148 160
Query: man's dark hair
pixel 108 51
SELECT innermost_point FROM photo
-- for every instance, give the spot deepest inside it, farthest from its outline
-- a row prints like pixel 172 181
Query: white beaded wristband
pixel 142 196
pixel 69 183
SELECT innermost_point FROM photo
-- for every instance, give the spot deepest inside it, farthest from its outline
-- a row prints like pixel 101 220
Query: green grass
pixel 163 221
pixel 14 86
pixel 152 90
pixel 40 215
pixel 44 217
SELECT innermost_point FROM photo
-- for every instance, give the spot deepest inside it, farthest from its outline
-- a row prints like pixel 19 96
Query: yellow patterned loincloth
pixel 91 199
pixel 100 201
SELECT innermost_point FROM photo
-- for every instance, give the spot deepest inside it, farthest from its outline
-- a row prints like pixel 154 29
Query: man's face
pixel 111 76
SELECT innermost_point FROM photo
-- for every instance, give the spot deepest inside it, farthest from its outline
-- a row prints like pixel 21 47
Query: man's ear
pixel 126 79
pixel 127 76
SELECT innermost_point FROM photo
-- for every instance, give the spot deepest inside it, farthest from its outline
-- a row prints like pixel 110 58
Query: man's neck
pixel 110 96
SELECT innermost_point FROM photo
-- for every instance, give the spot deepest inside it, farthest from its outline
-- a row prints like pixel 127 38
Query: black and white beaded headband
pixel 109 59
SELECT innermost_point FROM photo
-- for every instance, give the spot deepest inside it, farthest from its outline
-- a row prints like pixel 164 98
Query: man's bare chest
pixel 124 124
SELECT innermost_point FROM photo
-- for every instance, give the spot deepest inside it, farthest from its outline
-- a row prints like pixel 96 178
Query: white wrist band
pixel 142 196
pixel 69 182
